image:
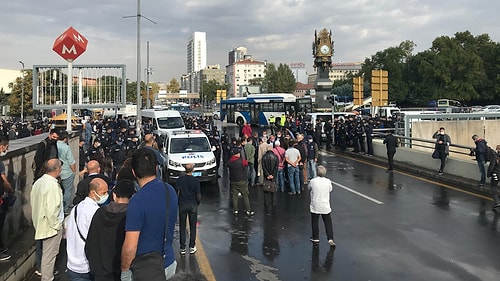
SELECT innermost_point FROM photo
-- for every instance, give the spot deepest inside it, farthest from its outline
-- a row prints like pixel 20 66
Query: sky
pixel 276 31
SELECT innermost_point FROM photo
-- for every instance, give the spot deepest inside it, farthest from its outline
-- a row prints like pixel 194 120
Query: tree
pixel 173 86
pixel 278 80
pixel 24 85
pixel 209 89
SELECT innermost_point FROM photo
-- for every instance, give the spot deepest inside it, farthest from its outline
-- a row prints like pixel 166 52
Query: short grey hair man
pixel 321 171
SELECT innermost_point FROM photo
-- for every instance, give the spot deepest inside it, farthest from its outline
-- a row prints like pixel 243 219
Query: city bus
pixel 257 108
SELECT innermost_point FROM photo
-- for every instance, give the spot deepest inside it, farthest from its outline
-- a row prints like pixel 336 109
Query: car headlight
pixel 211 161
pixel 174 164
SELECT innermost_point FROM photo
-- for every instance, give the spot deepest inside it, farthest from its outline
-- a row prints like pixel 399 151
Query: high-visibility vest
pixel 271 120
pixel 282 120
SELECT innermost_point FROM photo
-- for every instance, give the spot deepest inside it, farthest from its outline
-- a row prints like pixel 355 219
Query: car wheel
pixel 239 121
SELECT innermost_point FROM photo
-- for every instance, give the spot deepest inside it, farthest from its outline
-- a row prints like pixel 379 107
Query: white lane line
pixel 358 193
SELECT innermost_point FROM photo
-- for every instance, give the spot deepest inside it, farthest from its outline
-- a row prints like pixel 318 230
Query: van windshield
pixel 189 145
pixel 170 122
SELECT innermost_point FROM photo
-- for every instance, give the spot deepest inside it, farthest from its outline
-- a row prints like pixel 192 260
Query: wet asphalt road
pixel 387 226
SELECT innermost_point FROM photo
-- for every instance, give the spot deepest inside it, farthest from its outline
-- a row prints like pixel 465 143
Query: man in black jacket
pixel 494 173
pixel 107 232
pixel 391 142
pixel 46 149
pixel 270 170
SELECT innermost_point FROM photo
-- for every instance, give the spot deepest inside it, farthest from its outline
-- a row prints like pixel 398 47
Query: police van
pixel 162 121
pixel 189 146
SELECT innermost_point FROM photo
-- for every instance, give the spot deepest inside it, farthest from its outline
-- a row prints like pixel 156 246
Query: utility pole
pixel 22 91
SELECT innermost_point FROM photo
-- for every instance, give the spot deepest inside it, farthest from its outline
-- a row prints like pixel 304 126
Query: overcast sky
pixel 279 31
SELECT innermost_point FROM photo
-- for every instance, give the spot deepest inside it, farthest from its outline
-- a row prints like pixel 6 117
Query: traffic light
pixel 357 93
pixel 380 87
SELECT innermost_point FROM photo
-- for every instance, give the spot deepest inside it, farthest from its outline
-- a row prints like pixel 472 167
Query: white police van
pixel 189 146
pixel 163 121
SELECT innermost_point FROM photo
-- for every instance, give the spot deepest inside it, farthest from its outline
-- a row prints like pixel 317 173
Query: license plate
pixel 196 174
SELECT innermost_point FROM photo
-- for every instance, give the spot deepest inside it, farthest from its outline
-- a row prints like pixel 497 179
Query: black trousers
pixel 327 220
pixel 188 211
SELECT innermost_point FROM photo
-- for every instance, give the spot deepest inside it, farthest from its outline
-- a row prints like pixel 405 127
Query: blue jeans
pixel 281 180
pixel 67 185
pixel 293 178
pixel 482 171
pixel 251 174
pixel 74 276
pixel 311 168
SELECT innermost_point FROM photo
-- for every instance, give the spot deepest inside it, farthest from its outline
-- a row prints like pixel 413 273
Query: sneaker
pixel 314 240
pixel 4 257
pixel 235 212
pixel 496 206
pixel 192 250
pixel 331 243
pixel 440 173
pixel 250 213
pixel 291 193
pixel 4 250
pixel 183 251
pixel 38 273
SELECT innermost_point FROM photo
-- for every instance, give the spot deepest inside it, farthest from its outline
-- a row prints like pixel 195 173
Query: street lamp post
pixel 22 91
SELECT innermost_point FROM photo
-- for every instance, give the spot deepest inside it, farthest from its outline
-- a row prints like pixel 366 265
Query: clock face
pixel 325 49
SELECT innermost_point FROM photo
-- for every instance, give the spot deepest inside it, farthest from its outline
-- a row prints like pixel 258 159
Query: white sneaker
pixel 332 244
pixel 192 250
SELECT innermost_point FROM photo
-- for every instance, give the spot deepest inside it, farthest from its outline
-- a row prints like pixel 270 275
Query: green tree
pixel 209 89
pixel 278 80
pixel 173 86
pixel 393 60
pixel 24 85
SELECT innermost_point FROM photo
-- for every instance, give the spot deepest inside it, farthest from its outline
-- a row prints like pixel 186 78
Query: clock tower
pixel 322 50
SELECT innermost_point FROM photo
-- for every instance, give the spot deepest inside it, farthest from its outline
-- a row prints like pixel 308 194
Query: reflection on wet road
pixel 418 230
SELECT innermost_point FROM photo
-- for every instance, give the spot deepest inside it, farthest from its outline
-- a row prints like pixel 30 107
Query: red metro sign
pixel 70 45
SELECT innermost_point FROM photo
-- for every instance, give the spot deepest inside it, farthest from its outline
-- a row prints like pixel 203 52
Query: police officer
pixel 225 141
pixel 214 142
pixel 118 154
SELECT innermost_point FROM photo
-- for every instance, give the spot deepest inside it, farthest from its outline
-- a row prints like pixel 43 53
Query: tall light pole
pixel 22 90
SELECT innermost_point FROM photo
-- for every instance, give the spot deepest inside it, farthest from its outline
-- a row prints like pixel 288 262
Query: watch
pixel 325 49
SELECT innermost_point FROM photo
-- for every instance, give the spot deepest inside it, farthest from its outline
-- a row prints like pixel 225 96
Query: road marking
pixel 202 260
pixel 415 177
pixel 358 193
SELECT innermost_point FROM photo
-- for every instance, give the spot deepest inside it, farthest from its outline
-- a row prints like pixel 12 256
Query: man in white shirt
pixel 320 188
pixel 292 157
pixel 77 227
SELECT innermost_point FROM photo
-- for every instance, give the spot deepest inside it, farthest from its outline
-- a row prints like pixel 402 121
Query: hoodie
pixel 104 241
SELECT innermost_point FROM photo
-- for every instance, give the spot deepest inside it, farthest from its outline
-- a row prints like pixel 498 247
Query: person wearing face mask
pixel 77 225
pixel 443 142
pixel 118 154
pixel 46 149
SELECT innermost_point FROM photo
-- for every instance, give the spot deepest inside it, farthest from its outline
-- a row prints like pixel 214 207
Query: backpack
pixel 490 155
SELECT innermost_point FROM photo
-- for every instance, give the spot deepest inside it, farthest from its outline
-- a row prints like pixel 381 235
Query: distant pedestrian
pixel 188 188
pixel 481 149
pixel 5 190
pixel 320 188
pixel 494 173
pixel 238 180
pixel 391 142
pixel 68 169
pixel 279 179
pixel 443 142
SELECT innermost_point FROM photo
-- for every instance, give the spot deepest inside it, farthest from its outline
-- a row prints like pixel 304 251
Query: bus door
pixel 231 108
pixel 254 113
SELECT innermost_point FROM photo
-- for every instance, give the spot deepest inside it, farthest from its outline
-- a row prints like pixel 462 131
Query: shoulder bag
pixel 435 154
pixel 150 266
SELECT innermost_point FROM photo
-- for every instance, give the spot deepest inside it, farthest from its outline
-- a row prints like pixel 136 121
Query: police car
pixel 189 146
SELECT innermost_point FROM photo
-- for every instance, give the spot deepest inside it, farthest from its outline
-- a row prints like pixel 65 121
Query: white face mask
pixel 3 153
pixel 442 133
pixel 102 199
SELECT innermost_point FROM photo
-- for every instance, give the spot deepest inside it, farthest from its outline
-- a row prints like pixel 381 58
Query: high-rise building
pixel 237 54
pixel 197 52
pixel 240 73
